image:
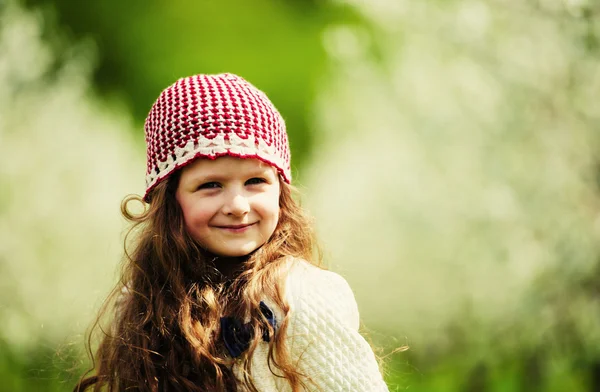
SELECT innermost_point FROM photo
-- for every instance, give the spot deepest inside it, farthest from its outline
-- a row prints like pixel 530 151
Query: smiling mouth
pixel 236 228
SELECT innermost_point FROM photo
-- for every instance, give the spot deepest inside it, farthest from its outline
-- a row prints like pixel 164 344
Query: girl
pixel 218 291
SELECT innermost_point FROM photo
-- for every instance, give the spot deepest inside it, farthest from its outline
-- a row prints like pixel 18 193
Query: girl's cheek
pixel 198 212
pixel 272 193
pixel 267 202
pixel 204 213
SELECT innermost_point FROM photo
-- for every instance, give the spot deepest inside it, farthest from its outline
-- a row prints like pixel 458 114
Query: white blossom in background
pixel 457 164
pixel 66 161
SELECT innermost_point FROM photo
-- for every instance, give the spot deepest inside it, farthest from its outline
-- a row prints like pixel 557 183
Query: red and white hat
pixel 210 116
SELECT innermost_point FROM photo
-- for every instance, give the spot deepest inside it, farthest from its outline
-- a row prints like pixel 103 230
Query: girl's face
pixel 230 205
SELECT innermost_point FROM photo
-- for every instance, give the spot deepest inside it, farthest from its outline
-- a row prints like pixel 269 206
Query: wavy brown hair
pixel 164 315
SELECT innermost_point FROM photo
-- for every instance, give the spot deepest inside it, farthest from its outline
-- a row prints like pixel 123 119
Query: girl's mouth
pixel 237 228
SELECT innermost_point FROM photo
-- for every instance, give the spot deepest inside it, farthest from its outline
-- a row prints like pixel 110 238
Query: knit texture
pixel 211 116
pixel 322 336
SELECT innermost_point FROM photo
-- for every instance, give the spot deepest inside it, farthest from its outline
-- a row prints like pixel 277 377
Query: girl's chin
pixel 232 253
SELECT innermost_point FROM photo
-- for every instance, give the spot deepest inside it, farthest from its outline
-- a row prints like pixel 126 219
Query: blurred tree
pixel 480 231
pixel 470 152
pixel 142 47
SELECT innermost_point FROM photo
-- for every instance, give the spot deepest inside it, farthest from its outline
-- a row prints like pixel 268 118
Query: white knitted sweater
pixel 322 336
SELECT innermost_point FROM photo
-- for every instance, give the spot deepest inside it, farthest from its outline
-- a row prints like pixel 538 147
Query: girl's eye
pixel 209 185
pixel 255 180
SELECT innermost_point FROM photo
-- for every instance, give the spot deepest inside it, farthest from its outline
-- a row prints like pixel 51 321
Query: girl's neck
pixel 229 267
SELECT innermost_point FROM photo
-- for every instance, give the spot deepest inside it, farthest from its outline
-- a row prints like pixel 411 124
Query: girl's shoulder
pixel 316 293
pixel 322 334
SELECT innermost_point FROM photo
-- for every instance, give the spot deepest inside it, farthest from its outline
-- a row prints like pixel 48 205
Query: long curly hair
pixel 164 315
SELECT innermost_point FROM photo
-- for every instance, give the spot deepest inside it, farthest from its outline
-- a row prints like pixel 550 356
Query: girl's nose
pixel 237 205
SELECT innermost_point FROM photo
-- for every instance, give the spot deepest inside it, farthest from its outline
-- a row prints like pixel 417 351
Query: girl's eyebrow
pixel 203 178
pixel 217 177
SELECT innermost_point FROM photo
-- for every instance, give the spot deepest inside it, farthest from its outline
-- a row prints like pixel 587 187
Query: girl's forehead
pixel 227 165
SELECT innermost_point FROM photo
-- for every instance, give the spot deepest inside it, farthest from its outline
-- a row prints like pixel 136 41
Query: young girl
pixel 219 291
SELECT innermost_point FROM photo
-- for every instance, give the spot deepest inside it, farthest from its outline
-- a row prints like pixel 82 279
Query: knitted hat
pixel 211 116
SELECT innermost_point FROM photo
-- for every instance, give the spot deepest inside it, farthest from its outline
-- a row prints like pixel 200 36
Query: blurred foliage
pixel 41 368
pixel 464 136
pixel 66 161
pixel 450 151
pixel 144 47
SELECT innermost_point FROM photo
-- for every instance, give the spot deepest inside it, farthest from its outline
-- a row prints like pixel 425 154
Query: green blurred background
pixel 449 150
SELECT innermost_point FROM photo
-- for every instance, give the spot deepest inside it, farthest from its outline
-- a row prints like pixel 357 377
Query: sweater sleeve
pixel 323 333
